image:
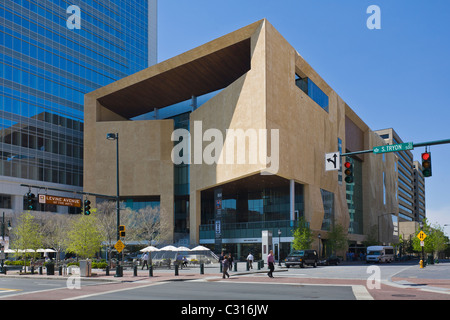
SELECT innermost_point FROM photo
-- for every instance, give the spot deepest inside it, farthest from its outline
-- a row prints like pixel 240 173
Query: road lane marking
pixel 114 291
pixel 4 290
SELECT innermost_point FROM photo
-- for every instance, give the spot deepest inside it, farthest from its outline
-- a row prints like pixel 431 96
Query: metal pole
pixel 117 186
pixel 3 244
pixel 431 143
pixel 420 144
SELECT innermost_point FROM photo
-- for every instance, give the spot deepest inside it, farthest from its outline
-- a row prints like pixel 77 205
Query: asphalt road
pixel 344 282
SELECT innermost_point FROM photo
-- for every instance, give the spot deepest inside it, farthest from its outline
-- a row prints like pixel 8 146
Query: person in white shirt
pixel 145 260
pixel 250 260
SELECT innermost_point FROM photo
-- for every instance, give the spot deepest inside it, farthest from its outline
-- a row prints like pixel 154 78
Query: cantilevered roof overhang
pixel 207 68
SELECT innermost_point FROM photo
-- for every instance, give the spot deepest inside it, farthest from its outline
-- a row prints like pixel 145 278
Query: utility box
pixel 85 268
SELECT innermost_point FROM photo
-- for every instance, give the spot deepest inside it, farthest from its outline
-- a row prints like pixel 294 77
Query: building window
pixel 313 91
pixel 328 207
pixel 5 201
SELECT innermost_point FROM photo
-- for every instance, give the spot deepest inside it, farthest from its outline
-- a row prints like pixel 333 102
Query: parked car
pixel 302 258
pixel 332 260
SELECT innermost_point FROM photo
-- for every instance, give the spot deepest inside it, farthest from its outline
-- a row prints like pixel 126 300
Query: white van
pixel 380 254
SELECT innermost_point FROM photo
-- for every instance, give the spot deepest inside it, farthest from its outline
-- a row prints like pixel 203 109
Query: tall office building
pixel 53 52
pixel 419 193
pixel 411 183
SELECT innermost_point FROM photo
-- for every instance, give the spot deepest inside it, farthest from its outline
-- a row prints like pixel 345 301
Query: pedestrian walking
pixel 222 255
pixel 270 262
pixel 230 258
pixel 225 266
pixel 250 260
pixel 145 260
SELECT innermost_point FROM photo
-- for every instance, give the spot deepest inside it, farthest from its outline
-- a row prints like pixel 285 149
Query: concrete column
pixel 292 200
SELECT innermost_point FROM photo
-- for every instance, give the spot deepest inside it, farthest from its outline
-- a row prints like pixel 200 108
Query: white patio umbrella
pixel 45 250
pixel 200 248
pixel 150 249
pixel 180 249
pixel 169 248
pixel 9 251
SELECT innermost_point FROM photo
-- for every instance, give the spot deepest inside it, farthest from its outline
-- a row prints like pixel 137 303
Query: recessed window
pixel 313 91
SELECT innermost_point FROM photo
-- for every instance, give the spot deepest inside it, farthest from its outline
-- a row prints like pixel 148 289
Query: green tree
pixel 27 235
pixel 337 238
pixel 302 236
pixel 84 237
pixel 435 240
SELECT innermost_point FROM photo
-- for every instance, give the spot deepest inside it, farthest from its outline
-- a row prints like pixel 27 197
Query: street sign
pixel 119 246
pixel 332 161
pixel 394 147
pixel 60 201
pixel 421 236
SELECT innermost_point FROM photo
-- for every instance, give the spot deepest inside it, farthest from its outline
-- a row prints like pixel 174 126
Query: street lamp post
pixel 279 243
pixel 319 236
pixel 115 136
pixel 3 270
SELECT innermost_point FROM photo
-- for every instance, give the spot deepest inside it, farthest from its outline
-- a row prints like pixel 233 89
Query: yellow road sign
pixel 421 236
pixel 119 246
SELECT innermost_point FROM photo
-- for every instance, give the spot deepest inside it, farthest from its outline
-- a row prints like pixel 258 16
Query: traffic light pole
pixel 421 144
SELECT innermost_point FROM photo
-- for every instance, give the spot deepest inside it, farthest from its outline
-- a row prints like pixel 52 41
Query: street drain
pixel 404 295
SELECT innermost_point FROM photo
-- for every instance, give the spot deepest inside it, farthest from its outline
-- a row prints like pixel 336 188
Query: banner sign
pixel 60 201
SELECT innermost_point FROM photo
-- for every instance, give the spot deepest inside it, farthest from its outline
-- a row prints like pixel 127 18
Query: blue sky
pixel 398 76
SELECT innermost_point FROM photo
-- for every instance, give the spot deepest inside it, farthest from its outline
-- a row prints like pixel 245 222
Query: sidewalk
pixel 434 277
pixel 159 274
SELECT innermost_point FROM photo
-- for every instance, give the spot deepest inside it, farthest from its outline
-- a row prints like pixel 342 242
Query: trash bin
pixel 50 269
pixel 85 268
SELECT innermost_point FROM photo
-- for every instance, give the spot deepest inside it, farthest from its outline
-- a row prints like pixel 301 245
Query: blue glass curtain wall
pixel 250 209
pixel 45 70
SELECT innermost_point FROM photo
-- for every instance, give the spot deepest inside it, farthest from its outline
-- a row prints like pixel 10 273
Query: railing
pixel 250 229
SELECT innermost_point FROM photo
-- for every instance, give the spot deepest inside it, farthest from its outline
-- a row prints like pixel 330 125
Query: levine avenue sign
pixel 60 201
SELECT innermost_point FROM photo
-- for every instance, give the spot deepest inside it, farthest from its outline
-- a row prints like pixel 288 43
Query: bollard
pixel 40 270
pixel 32 269
pixel 248 266
pixel 135 271
pixel 60 269
pixel 202 268
pixel 107 270
pixel 221 266
pixel 421 264
pixel 235 266
pixel 259 265
pixel 176 269
pixel 150 271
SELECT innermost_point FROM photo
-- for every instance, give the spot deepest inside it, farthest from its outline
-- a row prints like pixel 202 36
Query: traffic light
pixel 426 164
pixel 30 201
pixel 348 172
pixel 122 230
pixel 87 207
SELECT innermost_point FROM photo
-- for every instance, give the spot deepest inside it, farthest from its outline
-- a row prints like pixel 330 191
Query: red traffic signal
pixel 426 164
pixel 348 172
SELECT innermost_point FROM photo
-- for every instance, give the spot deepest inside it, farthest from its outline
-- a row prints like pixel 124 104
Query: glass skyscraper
pixel 52 52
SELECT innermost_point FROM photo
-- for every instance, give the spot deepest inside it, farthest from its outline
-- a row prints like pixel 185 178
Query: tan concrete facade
pixel 259 96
